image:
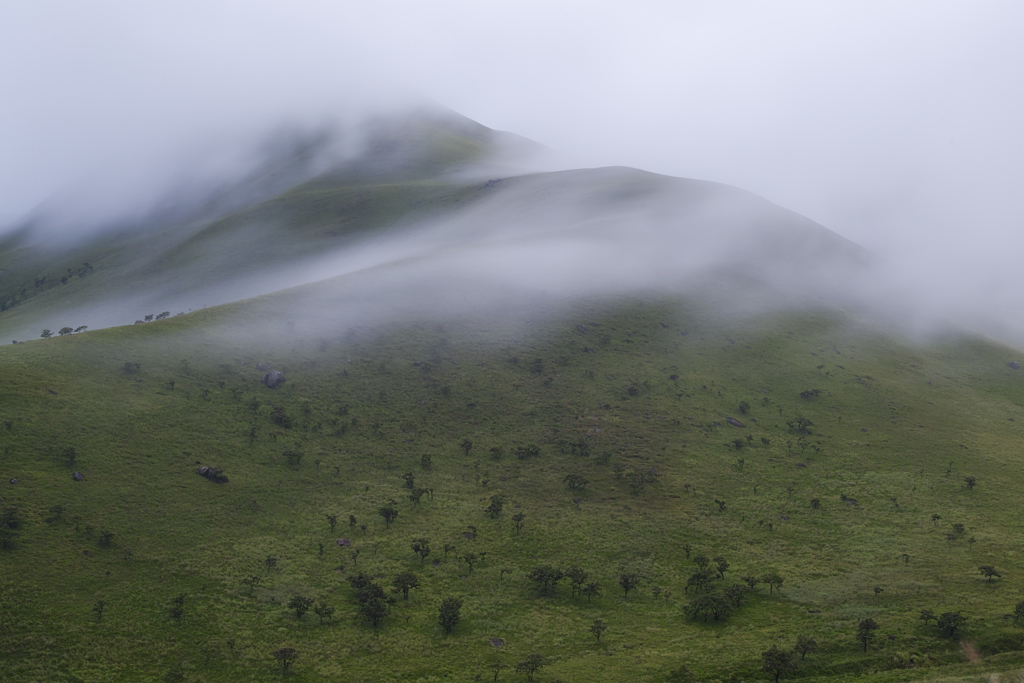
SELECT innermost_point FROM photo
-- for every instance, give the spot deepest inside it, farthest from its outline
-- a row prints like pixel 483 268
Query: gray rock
pixel 262 366
pixel 78 476
pixel 1013 364
pixel 14 481
pixel 273 379
pixel 734 422
pixel 344 542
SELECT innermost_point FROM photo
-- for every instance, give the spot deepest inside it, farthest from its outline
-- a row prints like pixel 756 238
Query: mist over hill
pixel 440 209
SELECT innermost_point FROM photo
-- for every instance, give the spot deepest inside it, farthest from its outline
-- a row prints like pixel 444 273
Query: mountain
pixel 419 191
pixel 620 426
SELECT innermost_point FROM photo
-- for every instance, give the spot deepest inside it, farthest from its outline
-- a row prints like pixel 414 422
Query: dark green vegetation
pixel 600 516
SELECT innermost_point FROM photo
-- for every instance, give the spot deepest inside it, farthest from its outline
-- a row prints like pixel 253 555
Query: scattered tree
pixel 778 662
pixel 592 590
pixel 546 577
pixel 286 656
pixel 294 458
pixel 530 665
pixel 389 512
pixel 332 520
pixel 497 668
pixel 65 331
pixel 494 509
pixel 252 581
pixel 270 563
pixel 989 572
pixel 466 446
pixel 970 481
pixel 866 632
pixel 952 622
pixel 450 613
pixel 805 645
pixel 98 608
pixel 405 582
pixel 1018 612
pixel 518 520
pixel 46 334
pixel 421 546
pixel 472 558
pixel 629 581
pixel 300 604
pixel 577 577
pixel 323 610
pixel 927 615
pixel 410 480
pixel 773 580
pixel 177 609
pixel 597 628
pixel 576 481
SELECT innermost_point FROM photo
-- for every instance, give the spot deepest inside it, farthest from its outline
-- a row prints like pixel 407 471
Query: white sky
pixel 898 125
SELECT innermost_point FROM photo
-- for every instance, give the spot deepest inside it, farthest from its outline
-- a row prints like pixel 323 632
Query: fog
pixel 896 127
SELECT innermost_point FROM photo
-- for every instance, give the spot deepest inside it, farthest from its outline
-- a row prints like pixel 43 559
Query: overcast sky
pixel 898 125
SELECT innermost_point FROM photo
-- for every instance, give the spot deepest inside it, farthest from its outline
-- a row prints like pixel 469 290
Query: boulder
pixel 273 379
pixel 14 481
pixel 214 474
pixel 1013 364
pixel 78 476
pixel 344 542
pixel 262 366
pixel 734 422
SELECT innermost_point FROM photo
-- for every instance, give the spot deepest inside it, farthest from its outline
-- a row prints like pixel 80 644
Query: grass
pixel 646 385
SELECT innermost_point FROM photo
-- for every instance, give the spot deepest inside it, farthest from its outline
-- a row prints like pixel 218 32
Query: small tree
pixel 389 512
pixel 270 562
pixel 773 580
pixel 970 481
pixel 866 632
pixel 405 582
pixel 1018 612
pixel 286 656
pixel 597 628
pixel 721 566
pixel 300 604
pixel 323 610
pixel 252 581
pixel 805 645
pixel 415 495
pixel 530 665
pixel 518 520
pixel 497 667
pixel 421 546
pixel 927 615
pixel 989 572
pixel 472 558
pixel 751 581
pixel 778 662
pixel 450 613
pixel 577 577
pixel 494 509
pixel 65 331
pixel 410 480
pixel 546 577
pixel 98 608
pixel 177 608
pixel 46 334
pixel 576 481
pixel 332 520
pixel 591 590
pixel 294 458
pixel 629 581
pixel 466 446
pixel 425 461
pixel 951 623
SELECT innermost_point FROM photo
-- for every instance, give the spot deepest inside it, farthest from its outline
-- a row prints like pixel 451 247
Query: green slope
pixel 631 395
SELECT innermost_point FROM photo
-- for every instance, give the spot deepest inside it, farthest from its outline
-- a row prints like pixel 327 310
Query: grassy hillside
pixel 632 396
